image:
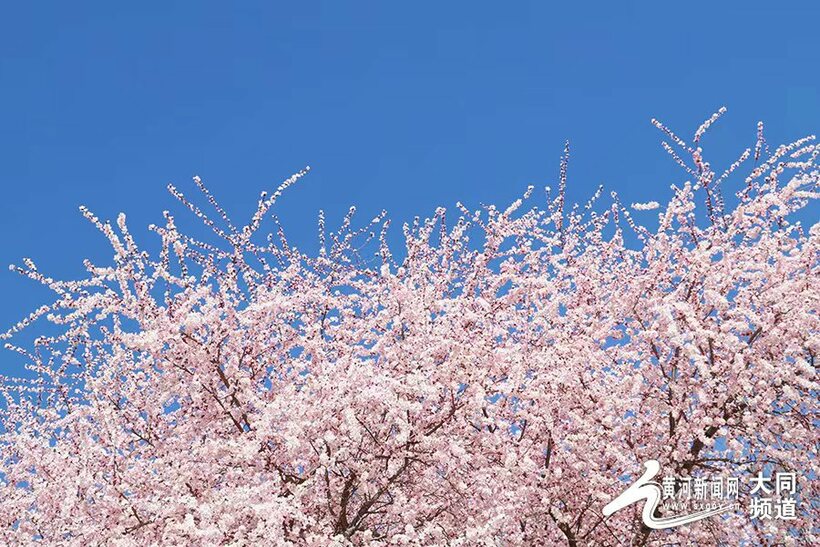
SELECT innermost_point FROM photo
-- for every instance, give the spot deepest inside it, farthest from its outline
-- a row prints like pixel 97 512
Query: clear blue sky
pixel 398 106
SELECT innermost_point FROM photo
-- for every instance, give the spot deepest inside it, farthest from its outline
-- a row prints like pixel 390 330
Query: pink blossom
pixel 489 384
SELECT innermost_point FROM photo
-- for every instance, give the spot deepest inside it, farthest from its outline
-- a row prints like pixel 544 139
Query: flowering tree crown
pixel 497 384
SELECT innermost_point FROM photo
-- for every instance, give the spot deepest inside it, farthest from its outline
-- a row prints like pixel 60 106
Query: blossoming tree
pixel 496 383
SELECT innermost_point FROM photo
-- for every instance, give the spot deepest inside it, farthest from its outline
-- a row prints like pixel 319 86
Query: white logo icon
pixel 646 489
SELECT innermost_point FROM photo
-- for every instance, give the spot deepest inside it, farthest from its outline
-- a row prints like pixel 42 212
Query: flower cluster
pixel 491 384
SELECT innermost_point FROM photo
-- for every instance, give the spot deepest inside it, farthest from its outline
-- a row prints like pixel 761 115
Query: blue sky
pixel 402 107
